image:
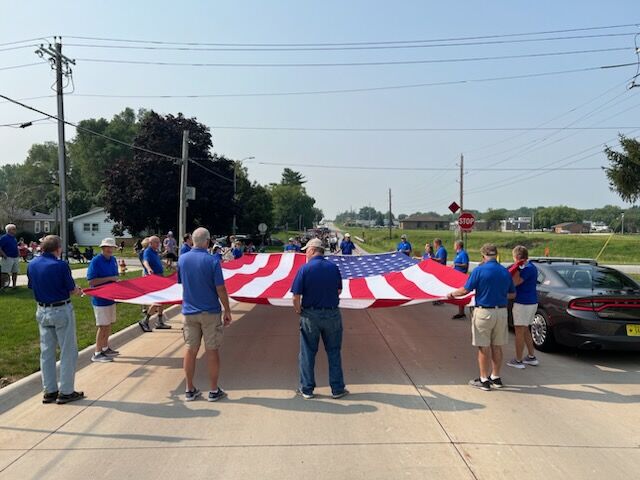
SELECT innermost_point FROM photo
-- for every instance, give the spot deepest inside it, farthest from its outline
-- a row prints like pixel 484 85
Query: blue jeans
pixel 57 327
pixel 313 325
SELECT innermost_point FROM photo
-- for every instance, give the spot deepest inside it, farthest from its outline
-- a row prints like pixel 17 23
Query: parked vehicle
pixel 585 305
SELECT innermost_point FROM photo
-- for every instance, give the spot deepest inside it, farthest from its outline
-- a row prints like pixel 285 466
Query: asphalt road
pixel 410 414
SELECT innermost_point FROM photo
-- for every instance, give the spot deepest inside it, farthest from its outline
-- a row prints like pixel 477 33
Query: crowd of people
pixel 206 311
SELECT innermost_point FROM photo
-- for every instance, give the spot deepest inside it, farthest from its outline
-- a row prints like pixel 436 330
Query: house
pixel 424 222
pixel 34 222
pixel 571 227
pixel 515 224
pixel 91 227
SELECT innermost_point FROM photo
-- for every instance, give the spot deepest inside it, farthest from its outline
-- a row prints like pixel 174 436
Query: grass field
pixel 23 267
pixel 620 250
pixel 19 338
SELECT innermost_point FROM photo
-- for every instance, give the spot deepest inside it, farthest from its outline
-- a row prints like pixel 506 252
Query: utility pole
pixel 461 191
pixel 182 214
pixel 235 195
pixel 622 224
pixel 390 217
pixel 60 64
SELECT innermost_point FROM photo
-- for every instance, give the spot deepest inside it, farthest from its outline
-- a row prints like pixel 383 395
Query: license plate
pixel 633 330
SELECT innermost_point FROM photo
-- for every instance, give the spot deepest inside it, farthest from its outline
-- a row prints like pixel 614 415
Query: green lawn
pixel 19 339
pixel 74 266
pixel 621 249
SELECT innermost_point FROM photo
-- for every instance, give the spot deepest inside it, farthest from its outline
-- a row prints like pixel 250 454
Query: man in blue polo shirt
pixel 187 243
pixel 52 284
pixel 103 269
pixel 404 246
pixel 461 264
pixel 441 253
pixel 9 257
pixel 489 327
pixel 316 290
pixel 152 265
pixel 202 292
pixel 291 246
pixel 346 245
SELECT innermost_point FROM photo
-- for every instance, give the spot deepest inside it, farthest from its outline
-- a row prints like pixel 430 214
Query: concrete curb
pixel 16 393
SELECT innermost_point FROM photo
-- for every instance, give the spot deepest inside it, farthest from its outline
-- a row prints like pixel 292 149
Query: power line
pixel 195 162
pixel 24 65
pixel 353 64
pixel 450 39
pixel 35 39
pixel 165 48
pixel 28 123
pixel 365 89
pixel 419 129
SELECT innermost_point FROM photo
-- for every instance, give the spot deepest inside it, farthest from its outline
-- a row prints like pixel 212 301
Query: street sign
pixel 262 228
pixel 191 193
pixel 454 207
pixel 466 221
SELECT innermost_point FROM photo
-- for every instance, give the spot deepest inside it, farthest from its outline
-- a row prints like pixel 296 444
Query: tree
pixel 291 203
pixel 623 171
pixel 550 216
pixel 367 213
pixel 142 192
pixel 291 177
pixel 255 205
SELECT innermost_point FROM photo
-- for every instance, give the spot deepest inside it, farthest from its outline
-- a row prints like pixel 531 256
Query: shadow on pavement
pixel 175 408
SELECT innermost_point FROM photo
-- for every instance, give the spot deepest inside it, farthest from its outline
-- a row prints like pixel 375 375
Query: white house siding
pixel 99 226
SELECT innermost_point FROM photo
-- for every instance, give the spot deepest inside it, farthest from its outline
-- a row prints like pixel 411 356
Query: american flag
pixel 383 280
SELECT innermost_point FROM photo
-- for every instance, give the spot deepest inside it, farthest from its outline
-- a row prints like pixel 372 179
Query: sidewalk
pixel 410 414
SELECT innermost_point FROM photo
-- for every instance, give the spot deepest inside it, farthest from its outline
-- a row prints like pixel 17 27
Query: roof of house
pixel 424 218
pixel 24 214
pixel 566 224
pixel 90 212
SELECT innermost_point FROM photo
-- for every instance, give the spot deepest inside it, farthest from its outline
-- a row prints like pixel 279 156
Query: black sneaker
pixel 49 397
pixel 217 395
pixel 144 325
pixel 306 396
pixel 477 383
pixel 162 326
pixel 496 382
pixel 110 352
pixel 101 357
pixel 458 316
pixel 71 397
pixel 341 394
pixel 191 395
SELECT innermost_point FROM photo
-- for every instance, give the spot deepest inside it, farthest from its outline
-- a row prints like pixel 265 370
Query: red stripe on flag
pixel 280 288
pixel 246 259
pixel 239 280
pixel 447 275
pixel 359 289
pixel 406 287
pixel 128 289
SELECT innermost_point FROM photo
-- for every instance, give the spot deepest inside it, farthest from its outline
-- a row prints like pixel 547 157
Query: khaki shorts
pixel 203 325
pixel 489 326
pixel 9 264
pixel 105 315
pixel 523 315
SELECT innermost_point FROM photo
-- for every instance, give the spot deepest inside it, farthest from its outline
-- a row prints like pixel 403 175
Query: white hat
pixel 291 239
pixel 403 236
pixel 108 242
pixel 347 235
pixel 314 242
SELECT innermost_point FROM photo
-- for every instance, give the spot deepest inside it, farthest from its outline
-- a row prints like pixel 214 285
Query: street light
pixel 235 187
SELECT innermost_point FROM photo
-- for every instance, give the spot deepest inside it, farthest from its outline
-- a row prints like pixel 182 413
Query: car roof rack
pixel 574 261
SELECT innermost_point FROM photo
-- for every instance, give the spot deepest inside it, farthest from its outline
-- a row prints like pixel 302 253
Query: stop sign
pixel 466 221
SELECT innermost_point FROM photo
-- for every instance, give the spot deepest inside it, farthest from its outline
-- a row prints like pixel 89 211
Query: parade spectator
pixel 203 292
pixel 250 248
pixel 121 247
pixel 137 247
pixel 170 251
pixel 76 254
pixel 316 290
pixel 404 246
pixel 346 245
pixel 489 326
pixel 23 250
pixel 216 252
pixel 52 285
pixel 333 243
pixel 461 264
pixel 152 265
pixel 144 243
pixel 525 306
pixel 88 253
pixel 9 257
pixel 103 269
pixel 291 246
pixel 187 243
pixel 237 250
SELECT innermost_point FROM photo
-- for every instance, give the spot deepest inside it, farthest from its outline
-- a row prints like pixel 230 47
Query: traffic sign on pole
pixel 454 207
pixel 466 221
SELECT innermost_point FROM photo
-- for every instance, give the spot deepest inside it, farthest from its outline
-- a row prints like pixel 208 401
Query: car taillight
pixel 584 304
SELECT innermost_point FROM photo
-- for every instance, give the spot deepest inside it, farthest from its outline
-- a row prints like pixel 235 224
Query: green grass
pixel 19 338
pixel 621 249
pixel 74 266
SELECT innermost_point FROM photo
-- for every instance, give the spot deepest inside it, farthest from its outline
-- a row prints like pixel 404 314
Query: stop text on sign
pixel 466 221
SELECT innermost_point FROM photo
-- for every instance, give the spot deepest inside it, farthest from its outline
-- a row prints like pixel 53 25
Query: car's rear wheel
pixel 542 332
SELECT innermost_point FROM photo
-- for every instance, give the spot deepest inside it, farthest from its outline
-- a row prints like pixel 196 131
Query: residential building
pixel 91 227
pixel 36 223
pixel 571 227
pixel 424 222
pixel 515 224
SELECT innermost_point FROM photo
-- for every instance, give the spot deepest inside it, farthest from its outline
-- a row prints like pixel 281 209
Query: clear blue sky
pixel 512 103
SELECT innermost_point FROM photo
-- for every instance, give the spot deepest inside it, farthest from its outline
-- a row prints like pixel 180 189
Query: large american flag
pixel 384 280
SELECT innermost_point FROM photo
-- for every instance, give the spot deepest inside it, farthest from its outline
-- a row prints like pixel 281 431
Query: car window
pixel 541 277
pixel 589 276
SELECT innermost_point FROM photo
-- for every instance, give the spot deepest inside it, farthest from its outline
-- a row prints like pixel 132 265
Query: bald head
pixel 201 237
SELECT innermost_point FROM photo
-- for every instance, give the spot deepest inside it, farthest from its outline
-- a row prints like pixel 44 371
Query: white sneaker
pixel 516 363
pixel 533 361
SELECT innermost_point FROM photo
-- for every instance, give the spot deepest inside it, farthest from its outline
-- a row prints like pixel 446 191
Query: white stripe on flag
pixel 427 282
pixel 346 291
pixel 169 294
pixel 258 263
pixel 257 286
pixel 381 289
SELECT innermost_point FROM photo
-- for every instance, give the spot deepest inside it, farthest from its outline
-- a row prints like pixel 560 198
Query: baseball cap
pixel 489 250
pixel 314 242
pixel 108 242
pixel 403 236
